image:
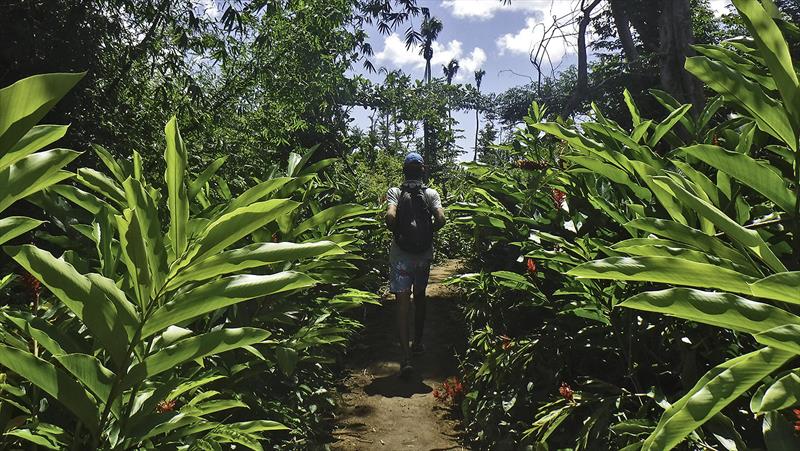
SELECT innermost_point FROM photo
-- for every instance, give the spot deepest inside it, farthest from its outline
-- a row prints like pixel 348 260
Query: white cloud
pixel 529 37
pixel 395 53
pixel 209 7
pixel 486 9
pixel 720 7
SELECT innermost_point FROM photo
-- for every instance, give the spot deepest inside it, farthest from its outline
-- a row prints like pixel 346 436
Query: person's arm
pixel 391 210
pixel 438 210
pixel 438 218
pixel 391 216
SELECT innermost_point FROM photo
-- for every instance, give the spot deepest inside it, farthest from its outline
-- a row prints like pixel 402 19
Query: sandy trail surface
pixel 382 411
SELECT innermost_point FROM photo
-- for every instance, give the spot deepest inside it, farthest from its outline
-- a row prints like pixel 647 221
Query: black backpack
pixel 413 231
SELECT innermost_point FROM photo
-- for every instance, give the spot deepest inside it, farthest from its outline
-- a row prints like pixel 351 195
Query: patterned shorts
pixel 405 273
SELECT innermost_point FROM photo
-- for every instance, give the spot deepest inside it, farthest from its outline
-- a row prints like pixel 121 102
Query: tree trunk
pixel 623 26
pixel 475 155
pixel 583 67
pixel 676 36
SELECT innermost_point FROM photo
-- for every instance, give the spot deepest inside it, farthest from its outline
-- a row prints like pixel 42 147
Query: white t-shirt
pixel 434 202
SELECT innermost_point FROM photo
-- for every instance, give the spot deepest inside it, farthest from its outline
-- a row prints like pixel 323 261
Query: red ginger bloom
pixel 566 391
pixel 166 406
pixel 558 198
pixel 507 343
pixel 32 284
pixel 796 413
pixel 532 269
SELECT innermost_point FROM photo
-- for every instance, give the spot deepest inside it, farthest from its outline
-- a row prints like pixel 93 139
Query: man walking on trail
pixel 414 213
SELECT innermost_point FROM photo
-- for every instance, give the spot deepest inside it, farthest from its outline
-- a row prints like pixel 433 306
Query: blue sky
pixel 481 34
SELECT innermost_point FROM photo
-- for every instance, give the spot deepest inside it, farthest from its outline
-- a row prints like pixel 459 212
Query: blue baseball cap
pixel 413 157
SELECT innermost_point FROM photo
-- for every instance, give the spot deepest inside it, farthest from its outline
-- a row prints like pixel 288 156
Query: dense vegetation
pixel 185 278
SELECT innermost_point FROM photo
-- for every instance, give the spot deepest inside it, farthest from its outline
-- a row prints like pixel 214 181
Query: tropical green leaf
pixel 175 157
pixel 667 124
pixel 25 103
pixel 52 381
pixel 783 393
pixel 252 256
pixel 784 286
pixel 193 348
pixel 750 172
pixel 203 178
pixel 14 226
pixel 222 293
pixel 783 337
pixel 746 237
pixel 101 184
pixel 329 216
pixel 93 300
pixel 83 199
pixel 718 309
pixel 766 111
pixel 35 139
pixel 89 372
pixel 715 390
pixel 670 270
pixel 33 173
pixel 235 225
pixel 113 165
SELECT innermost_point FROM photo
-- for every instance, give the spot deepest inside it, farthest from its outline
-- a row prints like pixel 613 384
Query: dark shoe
pixel 417 348
pixel 405 368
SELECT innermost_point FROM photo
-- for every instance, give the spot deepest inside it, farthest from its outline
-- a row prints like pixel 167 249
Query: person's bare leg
pixel 403 301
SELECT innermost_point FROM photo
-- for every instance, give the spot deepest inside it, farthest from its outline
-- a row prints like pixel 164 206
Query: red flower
pixel 166 406
pixel 32 284
pixel 532 269
pixel 796 413
pixel 436 393
pixel 565 391
pixel 558 198
pixel 507 343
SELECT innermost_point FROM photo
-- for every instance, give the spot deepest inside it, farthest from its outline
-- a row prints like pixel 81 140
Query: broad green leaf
pixel 101 184
pixel 746 237
pixel 89 372
pixel 191 385
pixel 750 172
pixel 784 286
pixel 203 178
pixel 193 348
pixel 778 433
pixel 37 138
pixel 53 381
pixel 766 111
pixel 636 119
pixel 252 256
pixel 287 360
pixel 715 390
pixel 37 439
pixel 209 407
pixel 49 337
pixel 83 199
pixel 329 216
pixel 692 237
pixel 718 309
pixel 657 250
pixel 33 173
pixel 113 165
pixel 175 157
pixel 235 225
pixel 93 300
pixel 783 337
pixel 25 103
pixel 612 173
pixel 135 256
pixel 222 293
pixel 14 226
pixel 670 270
pixel 150 231
pixel 774 49
pixel 258 192
pixel 780 394
pixel 666 125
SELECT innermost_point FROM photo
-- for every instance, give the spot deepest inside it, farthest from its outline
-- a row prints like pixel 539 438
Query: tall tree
pixel 450 71
pixel 429 31
pixel 478 78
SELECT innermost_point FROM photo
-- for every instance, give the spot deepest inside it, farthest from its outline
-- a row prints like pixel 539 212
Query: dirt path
pixel 382 411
